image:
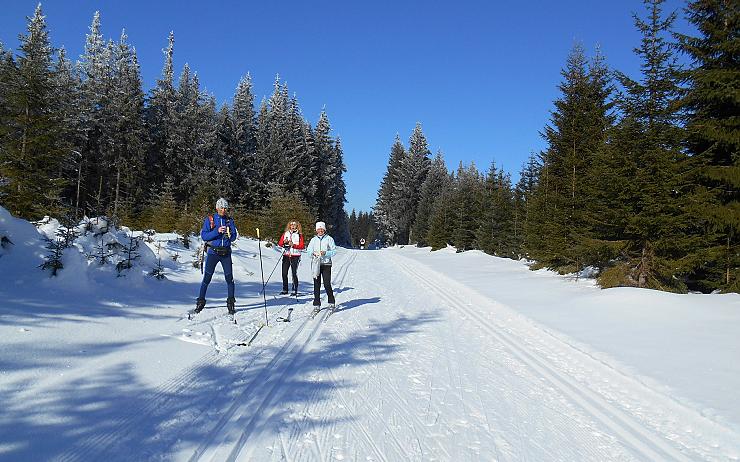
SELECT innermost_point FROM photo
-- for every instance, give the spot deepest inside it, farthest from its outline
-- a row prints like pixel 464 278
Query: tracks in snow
pixel 641 441
pixel 243 419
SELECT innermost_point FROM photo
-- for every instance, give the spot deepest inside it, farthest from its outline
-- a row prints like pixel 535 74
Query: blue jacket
pixel 213 237
pixel 325 243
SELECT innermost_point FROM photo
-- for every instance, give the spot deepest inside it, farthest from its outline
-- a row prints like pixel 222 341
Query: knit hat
pixel 222 203
pixel 320 225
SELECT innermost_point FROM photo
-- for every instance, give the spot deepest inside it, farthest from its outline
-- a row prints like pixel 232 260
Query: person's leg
pixel 294 266
pixel 326 274
pixel 316 291
pixel 286 265
pixel 208 269
pixel 228 273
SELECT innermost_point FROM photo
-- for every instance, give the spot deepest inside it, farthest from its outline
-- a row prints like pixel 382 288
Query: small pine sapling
pixel 130 252
pixel 54 257
pixel 158 271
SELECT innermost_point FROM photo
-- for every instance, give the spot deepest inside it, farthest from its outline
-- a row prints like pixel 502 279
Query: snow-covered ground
pixel 431 356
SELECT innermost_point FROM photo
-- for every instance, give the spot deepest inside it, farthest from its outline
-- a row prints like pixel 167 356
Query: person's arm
pixel 234 231
pixel 331 248
pixel 310 250
pixel 208 234
pixel 282 240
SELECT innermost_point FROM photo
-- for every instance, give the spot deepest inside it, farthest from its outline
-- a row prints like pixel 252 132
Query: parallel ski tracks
pixel 227 440
pixel 165 396
pixel 639 440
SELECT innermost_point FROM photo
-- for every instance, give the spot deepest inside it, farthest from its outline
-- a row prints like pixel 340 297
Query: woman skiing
pixel 321 248
pixel 292 244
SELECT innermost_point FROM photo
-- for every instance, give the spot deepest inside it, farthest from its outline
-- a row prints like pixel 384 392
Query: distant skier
pixel 322 248
pixel 362 244
pixel 292 244
pixel 218 232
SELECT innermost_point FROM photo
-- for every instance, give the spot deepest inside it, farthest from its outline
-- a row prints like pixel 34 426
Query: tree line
pixel 83 138
pixel 639 180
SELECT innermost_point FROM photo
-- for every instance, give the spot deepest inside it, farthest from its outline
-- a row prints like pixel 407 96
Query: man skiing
pixel 218 232
pixel 292 244
pixel 322 248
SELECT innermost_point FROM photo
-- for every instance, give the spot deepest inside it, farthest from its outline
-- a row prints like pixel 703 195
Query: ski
pixel 315 311
pixel 332 310
pixel 192 315
pixel 287 318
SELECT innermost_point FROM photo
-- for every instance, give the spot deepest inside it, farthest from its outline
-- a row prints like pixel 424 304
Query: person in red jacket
pixel 292 244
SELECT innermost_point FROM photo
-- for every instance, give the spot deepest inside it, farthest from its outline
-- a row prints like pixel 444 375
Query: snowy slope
pixel 431 356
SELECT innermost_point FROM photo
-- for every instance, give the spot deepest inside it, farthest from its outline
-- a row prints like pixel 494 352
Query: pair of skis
pixel 192 314
pixel 332 309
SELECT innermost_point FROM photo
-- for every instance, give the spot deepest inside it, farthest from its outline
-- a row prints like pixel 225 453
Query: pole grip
pixel 258 232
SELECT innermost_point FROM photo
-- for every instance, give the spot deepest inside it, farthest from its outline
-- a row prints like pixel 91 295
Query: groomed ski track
pixel 411 366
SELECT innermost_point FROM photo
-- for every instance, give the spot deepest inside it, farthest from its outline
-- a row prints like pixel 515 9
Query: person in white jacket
pixel 322 248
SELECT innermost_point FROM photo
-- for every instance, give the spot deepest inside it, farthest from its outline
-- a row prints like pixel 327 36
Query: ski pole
pixel 264 284
pixel 259 247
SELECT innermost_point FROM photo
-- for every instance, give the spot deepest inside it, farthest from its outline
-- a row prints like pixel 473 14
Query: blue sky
pixel 480 76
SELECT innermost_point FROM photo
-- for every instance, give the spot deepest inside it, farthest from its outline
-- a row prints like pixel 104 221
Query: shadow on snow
pixel 114 415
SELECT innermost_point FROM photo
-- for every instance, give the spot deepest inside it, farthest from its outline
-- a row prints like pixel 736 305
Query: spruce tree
pixel 434 184
pixel 160 118
pixel 713 140
pixel 386 205
pixel 414 170
pixel 34 145
pixel 575 134
pixel 467 207
pixel 128 135
pixel 648 198
pixel 495 233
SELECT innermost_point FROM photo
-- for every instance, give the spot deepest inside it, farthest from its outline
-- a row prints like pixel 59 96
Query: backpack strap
pixel 213 223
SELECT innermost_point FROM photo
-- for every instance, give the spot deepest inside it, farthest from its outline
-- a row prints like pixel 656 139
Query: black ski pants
pixel 292 263
pixel 325 274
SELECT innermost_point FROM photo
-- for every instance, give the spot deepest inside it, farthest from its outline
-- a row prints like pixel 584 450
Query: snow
pixel 430 356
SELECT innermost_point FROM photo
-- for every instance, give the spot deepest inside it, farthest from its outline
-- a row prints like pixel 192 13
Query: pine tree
pixel 97 118
pixel 386 205
pixel 714 140
pixel 69 95
pixel 467 207
pixel 243 120
pixel 160 118
pixel 495 233
pixel 644 149
pixel 34 146
pixel 443 220
pixel 434 185
pixel 413 172
pixel 523 198
pixel 576 133
pixel 128 136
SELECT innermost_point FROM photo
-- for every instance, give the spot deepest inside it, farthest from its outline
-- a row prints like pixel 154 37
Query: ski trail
pixel 642 441
pixel 229 437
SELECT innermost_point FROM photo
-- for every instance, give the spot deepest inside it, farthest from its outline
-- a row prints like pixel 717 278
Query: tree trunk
pixel 118 185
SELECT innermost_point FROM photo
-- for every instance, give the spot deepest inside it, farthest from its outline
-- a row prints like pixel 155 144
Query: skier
pixel 322 248
pixel 292 243
pixel 218 232
pixel 362 244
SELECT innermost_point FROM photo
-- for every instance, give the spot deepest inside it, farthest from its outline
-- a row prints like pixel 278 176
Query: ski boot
pixel 284 292
pixel 230 305
pixel 199 305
